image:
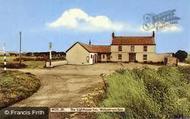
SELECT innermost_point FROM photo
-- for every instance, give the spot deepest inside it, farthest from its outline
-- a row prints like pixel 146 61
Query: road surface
pixel 64 86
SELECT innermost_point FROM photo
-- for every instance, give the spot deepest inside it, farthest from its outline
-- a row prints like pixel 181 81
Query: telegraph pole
pixel 20 34
pixel 50 54
pixel 5 58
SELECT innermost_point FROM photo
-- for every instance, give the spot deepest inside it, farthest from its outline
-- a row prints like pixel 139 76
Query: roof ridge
pixel 91 44
pixel 133 37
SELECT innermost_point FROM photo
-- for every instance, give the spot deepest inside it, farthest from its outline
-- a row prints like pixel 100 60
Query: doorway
pixel 132 57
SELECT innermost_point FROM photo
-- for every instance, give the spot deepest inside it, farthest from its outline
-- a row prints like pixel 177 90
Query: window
pixel 119 56
pixel 144 57
pixel 132 48
pixel 119 48
pixel 103 56
pixel 145 48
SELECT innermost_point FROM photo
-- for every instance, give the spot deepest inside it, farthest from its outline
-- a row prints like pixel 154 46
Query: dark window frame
pixel 120 48
pixel 145 48
pixel 103 56
pixel 119 56
pixel 145 57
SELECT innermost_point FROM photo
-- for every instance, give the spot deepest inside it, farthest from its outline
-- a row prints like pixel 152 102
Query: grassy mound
pixel 148 93
pixel 15 86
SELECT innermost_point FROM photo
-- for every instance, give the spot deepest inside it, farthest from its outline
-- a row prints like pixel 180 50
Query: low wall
pixel 56 63
pixel 159 57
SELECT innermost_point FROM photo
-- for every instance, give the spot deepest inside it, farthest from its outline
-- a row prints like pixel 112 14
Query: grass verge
pixel 148 93
pixel 15 86
pixel 32 64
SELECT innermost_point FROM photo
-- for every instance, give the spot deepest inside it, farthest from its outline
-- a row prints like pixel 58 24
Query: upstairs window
pixel 132 48
pixel 119 56
pixel 119 48
pixel 145 48
pixel 144 57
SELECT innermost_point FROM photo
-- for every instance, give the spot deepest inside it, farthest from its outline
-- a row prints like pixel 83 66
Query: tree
pixel 181 55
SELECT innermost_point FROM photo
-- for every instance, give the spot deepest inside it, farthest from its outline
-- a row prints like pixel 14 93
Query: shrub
pixel 120 71
pixel 181 55
pixel 148 93
pixel 14 65
pixel 15 85
pixel 31 59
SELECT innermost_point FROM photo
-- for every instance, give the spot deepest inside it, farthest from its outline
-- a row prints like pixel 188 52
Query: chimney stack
pixel 113 35
pixel 89 42
pixel 153 34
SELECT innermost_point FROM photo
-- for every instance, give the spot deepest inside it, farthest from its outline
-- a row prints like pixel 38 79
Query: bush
pixel 15 86
pixel 14 65
pixel 181 55
pixel 120 71
pixel 148 93
pixel 31 59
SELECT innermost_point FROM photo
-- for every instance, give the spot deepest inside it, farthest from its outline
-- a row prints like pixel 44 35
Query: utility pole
pixel 50 54
pixel 5 58
pixel 20 34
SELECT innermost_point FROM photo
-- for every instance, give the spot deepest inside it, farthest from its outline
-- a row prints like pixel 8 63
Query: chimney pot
pixel 89 42
pixel 113 35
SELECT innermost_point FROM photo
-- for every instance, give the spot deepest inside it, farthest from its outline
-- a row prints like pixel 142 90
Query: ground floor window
pixel 103 56
pixel 119 56
pixel 145 57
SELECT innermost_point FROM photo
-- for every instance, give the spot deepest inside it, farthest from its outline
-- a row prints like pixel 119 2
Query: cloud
pixel 77 19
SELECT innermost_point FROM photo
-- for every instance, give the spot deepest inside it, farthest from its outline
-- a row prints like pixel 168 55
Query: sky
pixel 64 22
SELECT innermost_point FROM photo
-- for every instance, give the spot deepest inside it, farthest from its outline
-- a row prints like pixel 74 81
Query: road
pixel 64 86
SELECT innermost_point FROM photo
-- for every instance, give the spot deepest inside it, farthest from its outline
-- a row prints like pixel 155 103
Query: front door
pixel 132 57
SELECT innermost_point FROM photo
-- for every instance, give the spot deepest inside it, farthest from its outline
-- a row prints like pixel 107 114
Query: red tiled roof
pixel 140 40
pixel 96 48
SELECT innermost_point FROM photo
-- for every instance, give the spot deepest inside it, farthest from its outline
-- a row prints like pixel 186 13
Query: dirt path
pixel 60 87
pixel 63 86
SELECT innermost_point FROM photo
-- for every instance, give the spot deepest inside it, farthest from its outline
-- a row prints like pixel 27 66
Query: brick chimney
pixel 113 35
pixel 89 42
pixel 153 34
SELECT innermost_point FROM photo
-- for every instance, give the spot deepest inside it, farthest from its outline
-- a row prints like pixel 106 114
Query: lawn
pixel 29 64
pixel 148 93
pixel 34 64
pixel 15 86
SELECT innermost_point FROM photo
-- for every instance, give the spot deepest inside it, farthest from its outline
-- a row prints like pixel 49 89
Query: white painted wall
pixel 91 56
pixel 77 55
